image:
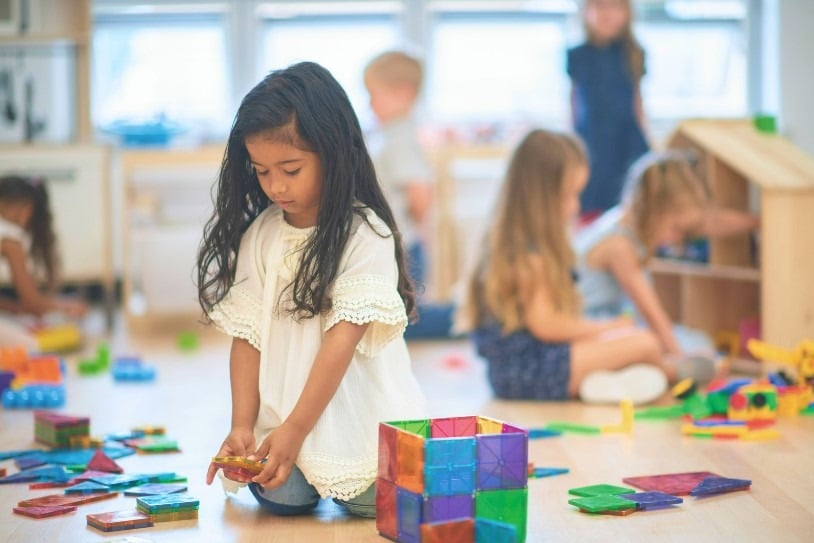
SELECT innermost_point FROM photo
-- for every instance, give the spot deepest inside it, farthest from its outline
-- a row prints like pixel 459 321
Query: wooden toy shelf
pixel 741 166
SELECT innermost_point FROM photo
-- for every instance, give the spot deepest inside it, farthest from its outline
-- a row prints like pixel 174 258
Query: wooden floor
pixel 191 399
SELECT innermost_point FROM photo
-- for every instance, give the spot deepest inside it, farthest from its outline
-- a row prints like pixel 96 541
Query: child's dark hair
pixel 305 106
pixel 43 251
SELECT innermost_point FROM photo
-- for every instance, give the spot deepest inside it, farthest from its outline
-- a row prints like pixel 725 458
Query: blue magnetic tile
pixel 492 531
pixel 409 507
pixel 449 466
pixel 652 500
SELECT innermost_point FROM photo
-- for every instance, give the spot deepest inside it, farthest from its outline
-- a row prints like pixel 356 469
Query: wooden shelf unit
pixel 736 160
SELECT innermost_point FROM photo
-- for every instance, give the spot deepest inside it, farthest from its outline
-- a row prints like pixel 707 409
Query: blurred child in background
pixel 522 305
pixel 393 80
pixel 606 102
pixel 28 255
pixel 665 203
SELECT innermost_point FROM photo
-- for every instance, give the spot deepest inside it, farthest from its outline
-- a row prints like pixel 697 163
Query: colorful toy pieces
pixel 452 479
pixel 660 491
pixel 58 430
pixel 29 381
pixel 58 339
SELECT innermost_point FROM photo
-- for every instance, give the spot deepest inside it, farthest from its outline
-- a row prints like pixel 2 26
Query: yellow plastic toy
pixel 755 402
pixel 59 339
pixel 802 357
pixel 626 425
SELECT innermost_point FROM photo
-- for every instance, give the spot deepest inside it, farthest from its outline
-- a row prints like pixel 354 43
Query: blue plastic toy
pixel 132 369
pixel 35 397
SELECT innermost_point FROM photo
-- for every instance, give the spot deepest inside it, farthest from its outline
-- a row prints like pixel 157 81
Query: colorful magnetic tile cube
pixel 510 506
pixel 599 490
pixel 492 531
pixel 116 521
pixel 449 466
pixel 386 508
pixel 602 503
pixel 457 531
pixel 409 507
pixel 172 516
pixel 719 485
pixel 677 484
pixel 652 500
pixel 502 461
pixel 441 508
pixel 454 427
pixel 44 512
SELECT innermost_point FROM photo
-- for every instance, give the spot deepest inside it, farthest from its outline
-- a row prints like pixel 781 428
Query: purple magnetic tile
pixel 502 461
pixel 410 511
pixel 28 462
pixel 454 427
pixel 719 485
pixel 512 429
pixel 652 500
pixel 6 377
pixel 440 508
pixel 449 466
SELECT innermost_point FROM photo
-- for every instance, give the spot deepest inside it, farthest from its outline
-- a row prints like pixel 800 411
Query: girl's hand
pixel 280 449
pixel 239 442
pixel 72 308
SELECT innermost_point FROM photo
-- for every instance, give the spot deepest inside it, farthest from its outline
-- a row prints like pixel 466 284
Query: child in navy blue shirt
pixel 606 103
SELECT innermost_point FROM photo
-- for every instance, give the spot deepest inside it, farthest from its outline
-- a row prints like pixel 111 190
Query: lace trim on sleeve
pixel 366 299
pixel 239 315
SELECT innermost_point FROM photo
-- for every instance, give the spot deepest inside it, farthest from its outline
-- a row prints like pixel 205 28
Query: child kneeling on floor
pixel 303 266
pixel 522 305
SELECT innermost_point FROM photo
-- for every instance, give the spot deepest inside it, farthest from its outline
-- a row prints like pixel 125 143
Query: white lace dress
pixel 339 457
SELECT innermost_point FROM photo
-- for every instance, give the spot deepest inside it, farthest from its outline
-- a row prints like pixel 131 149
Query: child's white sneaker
pixel 641 383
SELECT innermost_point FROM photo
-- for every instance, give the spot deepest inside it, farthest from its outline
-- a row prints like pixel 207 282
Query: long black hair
pixel 40 227
pixel 307 97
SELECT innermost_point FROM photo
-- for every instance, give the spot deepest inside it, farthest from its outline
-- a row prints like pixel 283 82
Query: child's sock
pixel 641 383
pixel 700 368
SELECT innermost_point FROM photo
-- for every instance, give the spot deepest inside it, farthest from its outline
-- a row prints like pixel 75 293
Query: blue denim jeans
pixel 297 497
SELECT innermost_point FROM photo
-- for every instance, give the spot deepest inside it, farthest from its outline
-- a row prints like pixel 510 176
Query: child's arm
pixel 719 222
pixel 419 197
pixel 547 324
pixel 282 446
pixel 31 300
pixel 244 375
pixel 618 255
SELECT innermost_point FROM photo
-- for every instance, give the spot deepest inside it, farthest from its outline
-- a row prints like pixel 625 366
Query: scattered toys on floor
pixel 435 474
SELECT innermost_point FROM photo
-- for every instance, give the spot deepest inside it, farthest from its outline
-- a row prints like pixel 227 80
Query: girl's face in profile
pixel 289 176
pixel 572 188
pixel 606 18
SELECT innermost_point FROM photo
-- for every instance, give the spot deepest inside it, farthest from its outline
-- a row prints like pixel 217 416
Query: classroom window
pixel 145 67
pixel 341 43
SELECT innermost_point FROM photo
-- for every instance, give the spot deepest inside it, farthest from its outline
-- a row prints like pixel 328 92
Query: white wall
pixel 788 62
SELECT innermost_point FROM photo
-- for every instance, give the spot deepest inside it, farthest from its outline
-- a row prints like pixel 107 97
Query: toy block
pixel 238 467
pixel 441 508
pixel 34 397
pixel 602 503
pixel 172 516
pixel 56 430
pixel 753 402
pixel 102 462
pixel 47 473
pixel 388 458
pixel 491 531
pixel 57 339
pixel 61 499
pixel 79 442
pixel 454 427
pixel 7 455
pixel 573 428
pixel 13 359
pixel 52 484
pixel 449 466
pixel 502 461
pixel 719 485
pixel 87 487
pixel 660 412
pixel 677 484
pixel 419 427
pixel 168 477
pixel 150 430
pixel 156 489
pixel 132 369
pixel 153 445
pixel 116 521
pixel 186 341
pixel 652 500
pixel 409 506
pixel 625 426
pixel 44 512
pixel 599 490
pixel 386 509
pixel 166 502
pixel 457 531
pixel 79 458
pixel 509 506
pixel 542 433
pixel 488 425
pixel 6 377
pixel 118 482
pixel 28 462
pixel 410 458
pixel 539 473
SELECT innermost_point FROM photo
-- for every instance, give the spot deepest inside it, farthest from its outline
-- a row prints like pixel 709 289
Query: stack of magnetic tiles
pixel 168 507
pixel 460 479
pixel 60 431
